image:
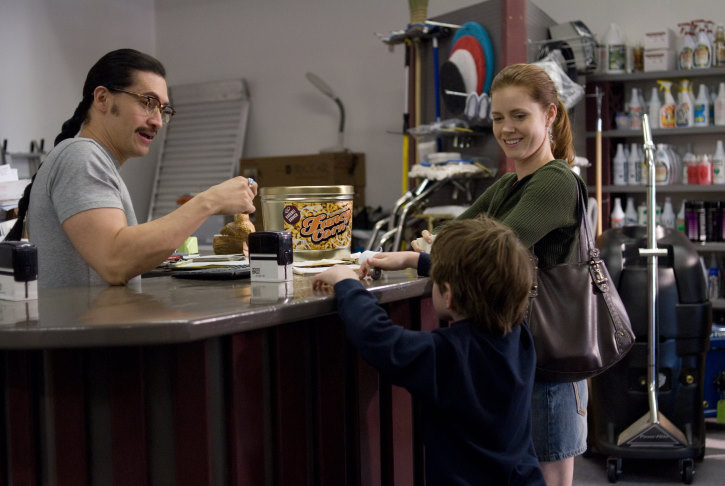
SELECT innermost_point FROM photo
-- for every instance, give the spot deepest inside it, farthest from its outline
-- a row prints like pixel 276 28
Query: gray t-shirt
pixel 77 175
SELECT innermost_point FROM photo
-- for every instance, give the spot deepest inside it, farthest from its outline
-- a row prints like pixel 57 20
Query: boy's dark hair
pixel 117 69
pixel 488 270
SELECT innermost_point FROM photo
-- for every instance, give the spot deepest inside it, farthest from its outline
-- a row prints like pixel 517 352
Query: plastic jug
pixel 615 50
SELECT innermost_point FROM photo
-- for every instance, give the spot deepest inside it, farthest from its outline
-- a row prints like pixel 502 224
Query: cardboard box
pixel 324 169
pixel 664 39
pixel 659 60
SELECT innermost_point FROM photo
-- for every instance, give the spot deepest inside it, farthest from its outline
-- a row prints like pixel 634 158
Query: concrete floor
pixel 591 470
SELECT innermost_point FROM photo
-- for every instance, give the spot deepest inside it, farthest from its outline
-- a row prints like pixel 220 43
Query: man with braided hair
pixel 79 211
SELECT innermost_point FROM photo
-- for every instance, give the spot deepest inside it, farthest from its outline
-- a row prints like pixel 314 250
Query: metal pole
pixel 598 162
pixel 651 252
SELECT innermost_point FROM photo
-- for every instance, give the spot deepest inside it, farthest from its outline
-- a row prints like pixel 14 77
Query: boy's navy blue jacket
pixel 475 390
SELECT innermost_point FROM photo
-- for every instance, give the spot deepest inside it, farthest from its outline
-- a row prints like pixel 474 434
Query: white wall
pixel 47 47
pixel 635 17
pixel 273 43
pixel 46 50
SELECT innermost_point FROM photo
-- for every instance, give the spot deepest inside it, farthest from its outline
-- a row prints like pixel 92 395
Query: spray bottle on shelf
pixel 684 115
pixel 720 105
pixel 617 216
pixel 704 172
pixel 630 212
pixel 702 57
pixel 689 172
pixel 685 58
pixel 667 110
pixel 653 108
pixel 619 174
pixel 718 164
pixel 701 113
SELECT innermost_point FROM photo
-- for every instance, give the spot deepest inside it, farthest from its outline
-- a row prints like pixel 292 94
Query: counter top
pixel 166 310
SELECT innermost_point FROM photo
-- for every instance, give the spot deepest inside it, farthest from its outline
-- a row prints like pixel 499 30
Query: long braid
pixel 73 125
pixel 69 130
pixel 117 68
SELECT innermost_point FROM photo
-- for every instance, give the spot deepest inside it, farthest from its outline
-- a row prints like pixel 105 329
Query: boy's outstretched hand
pixel 423 243
pixel 333 275
pixel 394 260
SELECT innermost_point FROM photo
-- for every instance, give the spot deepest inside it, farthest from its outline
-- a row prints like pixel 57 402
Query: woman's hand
pixel 395 260
pixel 333 275
pixel 423 243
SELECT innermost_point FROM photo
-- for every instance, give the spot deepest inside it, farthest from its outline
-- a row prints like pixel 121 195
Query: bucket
pixel 319 218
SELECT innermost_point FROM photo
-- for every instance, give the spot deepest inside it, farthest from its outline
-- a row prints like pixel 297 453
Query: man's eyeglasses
pixel 151 103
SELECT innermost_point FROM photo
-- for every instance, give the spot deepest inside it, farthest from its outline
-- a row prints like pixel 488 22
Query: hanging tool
pixel 652 429
pixel 598 162
pixel 406 118
pixel 437 89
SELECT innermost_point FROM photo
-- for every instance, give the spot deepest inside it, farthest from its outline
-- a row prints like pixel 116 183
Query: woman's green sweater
pixel 540 208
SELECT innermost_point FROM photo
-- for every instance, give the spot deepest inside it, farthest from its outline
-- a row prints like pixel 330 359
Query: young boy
pixel 473 378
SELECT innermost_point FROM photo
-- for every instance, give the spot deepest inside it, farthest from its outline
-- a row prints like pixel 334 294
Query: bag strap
pixel 587 250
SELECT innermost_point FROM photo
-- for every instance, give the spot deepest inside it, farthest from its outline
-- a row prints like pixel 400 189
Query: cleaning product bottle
pixel 635 110
pixel 653 108
pixel 720 105
pixel 619 177
pixel 616 49
pixel 684 116
pixel 630 213
pixel 718 164
pixel 692 230
pixel 668 108
pixel 617 216
pixel 701 113
pixel 668 219
pixel 691 95
pixel 634 163
pixel 713 99
pixel 704 172
pixel 643 169
pixel 676 165
pixel 689 171
pixel 663 165
pixel 711 38
pixel 719 50
pixel 681 217
pixel 702 57
pixel 686 54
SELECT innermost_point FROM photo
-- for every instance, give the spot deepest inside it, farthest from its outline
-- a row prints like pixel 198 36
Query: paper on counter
pixel 313 270
pixel 318 266
pixel 209 261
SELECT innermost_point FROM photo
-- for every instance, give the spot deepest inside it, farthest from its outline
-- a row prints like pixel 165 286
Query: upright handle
pixel 598 173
